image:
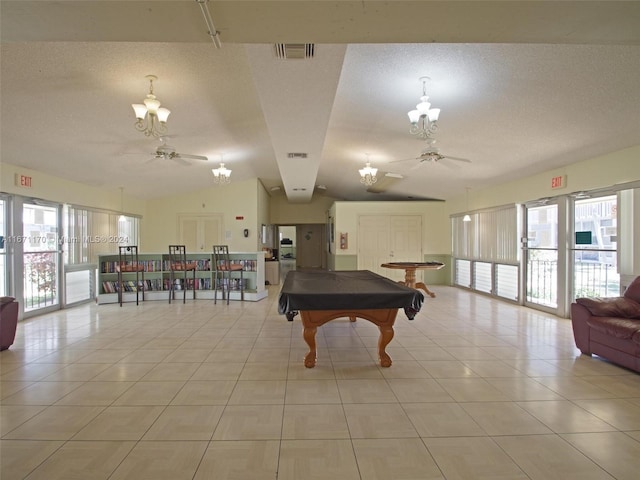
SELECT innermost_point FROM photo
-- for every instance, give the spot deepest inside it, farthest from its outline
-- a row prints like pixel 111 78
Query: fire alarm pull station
pixel 344 241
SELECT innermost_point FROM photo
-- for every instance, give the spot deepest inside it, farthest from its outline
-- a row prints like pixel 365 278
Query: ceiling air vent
pixel 296 155
pixel 294 50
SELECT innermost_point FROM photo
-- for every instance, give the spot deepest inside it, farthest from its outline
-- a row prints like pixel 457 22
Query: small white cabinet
pixel 272 272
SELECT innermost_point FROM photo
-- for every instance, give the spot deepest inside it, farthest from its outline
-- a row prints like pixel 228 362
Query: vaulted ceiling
pixel 523 87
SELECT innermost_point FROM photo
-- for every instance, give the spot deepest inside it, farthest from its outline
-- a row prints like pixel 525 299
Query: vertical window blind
pixel 90 233
pixel 490 236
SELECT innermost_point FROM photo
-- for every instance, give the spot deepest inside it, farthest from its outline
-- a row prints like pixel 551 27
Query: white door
pixel 389 238
pixel 198 233
pixel 373 242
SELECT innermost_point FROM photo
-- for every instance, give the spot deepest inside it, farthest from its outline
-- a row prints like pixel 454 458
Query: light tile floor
pixel 479 389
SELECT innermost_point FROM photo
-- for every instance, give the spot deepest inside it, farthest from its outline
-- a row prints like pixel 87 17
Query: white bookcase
pixel 156 277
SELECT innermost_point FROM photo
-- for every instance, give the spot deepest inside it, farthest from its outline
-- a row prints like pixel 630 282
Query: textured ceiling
pixel 523 87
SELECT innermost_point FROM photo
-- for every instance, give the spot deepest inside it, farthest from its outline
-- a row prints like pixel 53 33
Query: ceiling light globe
pixel 163 114
pixel 140 110
pixel 433 114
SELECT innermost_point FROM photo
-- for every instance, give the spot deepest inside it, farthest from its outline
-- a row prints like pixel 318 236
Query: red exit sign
pixel 559 181
pixel 23 181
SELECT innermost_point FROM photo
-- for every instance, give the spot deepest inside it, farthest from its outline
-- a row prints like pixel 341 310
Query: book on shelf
pixel 109 266
pixel 247 265
pixel 202 264
pixel 114 287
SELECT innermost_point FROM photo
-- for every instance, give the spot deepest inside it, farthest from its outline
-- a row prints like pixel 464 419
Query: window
pixel 486 245
pixel 89 233
pixel 595 256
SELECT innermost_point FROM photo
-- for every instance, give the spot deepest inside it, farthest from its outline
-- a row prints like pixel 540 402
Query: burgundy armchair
pixel 8 321
pixel 610 327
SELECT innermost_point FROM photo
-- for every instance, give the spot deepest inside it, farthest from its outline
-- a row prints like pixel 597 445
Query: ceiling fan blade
pixel 458 159
pixel 418 165
pixel 193 157
pixel 178 159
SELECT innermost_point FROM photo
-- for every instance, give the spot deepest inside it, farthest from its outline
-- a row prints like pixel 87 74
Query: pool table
pixel 322 296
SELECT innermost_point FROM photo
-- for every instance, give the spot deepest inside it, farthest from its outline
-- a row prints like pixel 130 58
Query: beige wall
pixel 250 200
pixel 284 213
pixel 263 213
pixel 435 223
pixel 55 189
pixel 239 199
pixel 600 172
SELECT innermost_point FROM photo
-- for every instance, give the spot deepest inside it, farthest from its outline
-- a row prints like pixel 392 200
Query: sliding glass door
pixel 541 257
pixel 595 243
pixel 41 256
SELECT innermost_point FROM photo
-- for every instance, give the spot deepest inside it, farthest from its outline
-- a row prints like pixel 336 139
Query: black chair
pixel 128 263
pixel 178 265
pixel 222 273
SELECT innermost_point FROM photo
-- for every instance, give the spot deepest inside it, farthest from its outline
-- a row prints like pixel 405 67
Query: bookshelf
pixel 156 277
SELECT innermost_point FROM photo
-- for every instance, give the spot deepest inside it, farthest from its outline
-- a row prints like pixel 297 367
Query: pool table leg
pixel 424 287
pixel 386 335
pixel 309 335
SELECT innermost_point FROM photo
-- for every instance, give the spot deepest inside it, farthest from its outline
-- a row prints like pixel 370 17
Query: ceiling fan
pixel 433 155
pixel 169 153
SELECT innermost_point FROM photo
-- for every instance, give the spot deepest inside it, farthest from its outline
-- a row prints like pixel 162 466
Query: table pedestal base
pixel 384 318
pixel 426 290
pixel 410 273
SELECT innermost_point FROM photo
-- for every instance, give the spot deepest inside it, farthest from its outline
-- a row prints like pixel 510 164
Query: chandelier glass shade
pixel 424 119
pixel 151 119
pixel 368 174
pixel 221 175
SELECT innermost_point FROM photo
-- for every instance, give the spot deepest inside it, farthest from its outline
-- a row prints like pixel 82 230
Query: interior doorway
pixel 310 242
pixel 287 242
pixel 301 246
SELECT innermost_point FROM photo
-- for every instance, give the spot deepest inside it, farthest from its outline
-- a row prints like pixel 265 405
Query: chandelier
pixel 221 175
pixel 424 119
pixel 151 118
pixel 368 174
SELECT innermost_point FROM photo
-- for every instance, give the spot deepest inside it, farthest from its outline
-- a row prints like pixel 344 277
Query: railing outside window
pixel 41 283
